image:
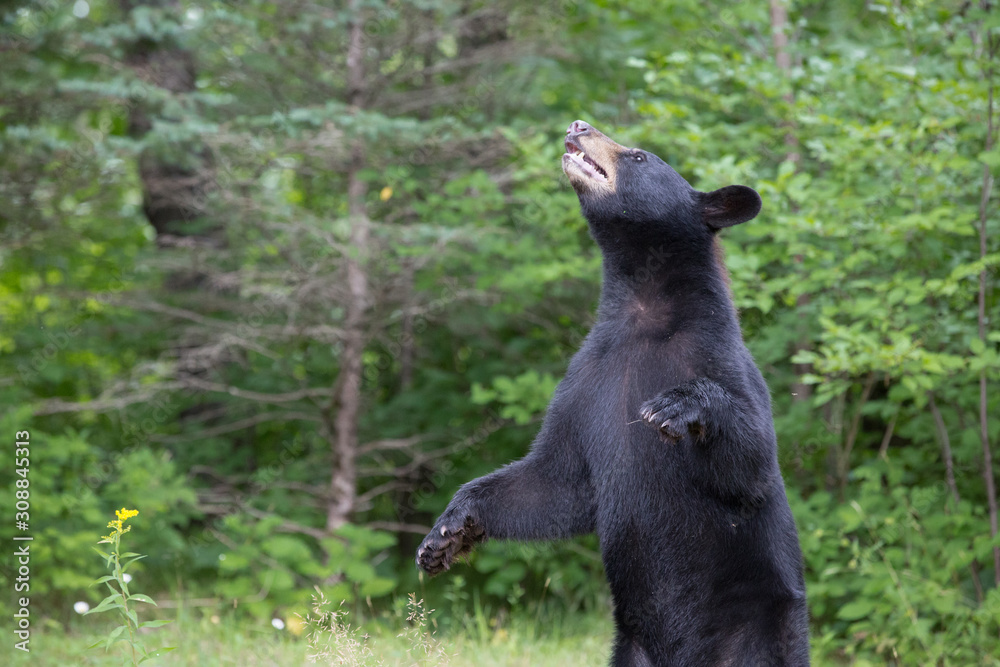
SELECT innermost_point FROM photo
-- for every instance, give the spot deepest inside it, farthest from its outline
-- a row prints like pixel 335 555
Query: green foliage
pixel 892 570
pixel 68 501
pixel 571 572
pixel 523 397
pixel 264 566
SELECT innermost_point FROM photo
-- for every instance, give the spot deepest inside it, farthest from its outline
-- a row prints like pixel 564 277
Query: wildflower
pixel 123 516
pixel 120 598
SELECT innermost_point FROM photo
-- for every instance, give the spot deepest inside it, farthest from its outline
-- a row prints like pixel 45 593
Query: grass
pixel 326 637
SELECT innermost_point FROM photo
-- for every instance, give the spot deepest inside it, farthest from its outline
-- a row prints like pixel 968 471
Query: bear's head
pixel 630 196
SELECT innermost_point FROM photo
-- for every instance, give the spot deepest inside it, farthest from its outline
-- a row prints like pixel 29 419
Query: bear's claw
pixel 447 542
pixel 674 415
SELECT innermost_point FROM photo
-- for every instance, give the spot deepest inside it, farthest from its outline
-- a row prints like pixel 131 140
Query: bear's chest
pixel 645 496
pixel 625 456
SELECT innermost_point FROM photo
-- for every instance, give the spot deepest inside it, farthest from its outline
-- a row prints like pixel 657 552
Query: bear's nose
pixel 577 127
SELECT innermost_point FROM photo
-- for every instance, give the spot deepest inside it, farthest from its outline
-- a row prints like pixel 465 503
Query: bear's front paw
pixel 453 535
pixel 674 415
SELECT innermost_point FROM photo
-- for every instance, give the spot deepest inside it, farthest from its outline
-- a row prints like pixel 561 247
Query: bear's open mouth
pixel 584 161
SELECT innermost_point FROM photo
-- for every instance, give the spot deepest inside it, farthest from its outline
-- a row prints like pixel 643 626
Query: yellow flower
pixel 123 516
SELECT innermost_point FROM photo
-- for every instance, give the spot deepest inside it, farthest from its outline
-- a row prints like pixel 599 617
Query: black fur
pixel 660 438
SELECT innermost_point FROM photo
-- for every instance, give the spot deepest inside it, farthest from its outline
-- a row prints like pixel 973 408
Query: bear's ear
pixel 729 206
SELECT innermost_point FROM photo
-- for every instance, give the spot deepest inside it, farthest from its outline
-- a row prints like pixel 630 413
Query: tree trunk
pixel 407 342
pixel 984 436
pixel 783 60
pixel 343 483
pixel 172 192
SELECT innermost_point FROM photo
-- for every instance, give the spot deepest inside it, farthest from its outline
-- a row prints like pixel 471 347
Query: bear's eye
pixel 638 157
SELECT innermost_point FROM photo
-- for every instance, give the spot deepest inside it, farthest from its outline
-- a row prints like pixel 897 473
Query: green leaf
pixel 154 624
pixel 113 635
pixel 108 558
pixel 142 598
pixel 856 609
pixel 991 159
pixel 106 604
pixel 377 587
pixel 125 565
pixel 157 653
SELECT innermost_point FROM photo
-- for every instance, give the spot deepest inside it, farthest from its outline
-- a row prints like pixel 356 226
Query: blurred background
pixel 283 275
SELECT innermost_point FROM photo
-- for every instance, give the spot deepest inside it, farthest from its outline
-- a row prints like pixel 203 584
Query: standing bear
pixel 660 437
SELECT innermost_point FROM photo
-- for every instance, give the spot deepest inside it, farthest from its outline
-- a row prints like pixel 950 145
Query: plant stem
pixel 949 477
pixel 121 586
pixel 844 463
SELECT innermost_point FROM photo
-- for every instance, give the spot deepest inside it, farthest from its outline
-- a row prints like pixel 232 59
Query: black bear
pixel 660 437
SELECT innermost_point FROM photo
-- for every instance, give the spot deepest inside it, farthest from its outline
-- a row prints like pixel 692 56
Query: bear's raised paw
pixel 674 414
pixel 450 538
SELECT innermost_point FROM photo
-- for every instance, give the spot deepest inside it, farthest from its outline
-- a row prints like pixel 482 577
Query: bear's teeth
pixel 579 154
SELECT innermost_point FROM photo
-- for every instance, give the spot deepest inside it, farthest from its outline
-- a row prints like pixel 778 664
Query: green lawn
pixel 519 642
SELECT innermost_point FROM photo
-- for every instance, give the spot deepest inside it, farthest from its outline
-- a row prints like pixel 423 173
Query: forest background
pixel 283 275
